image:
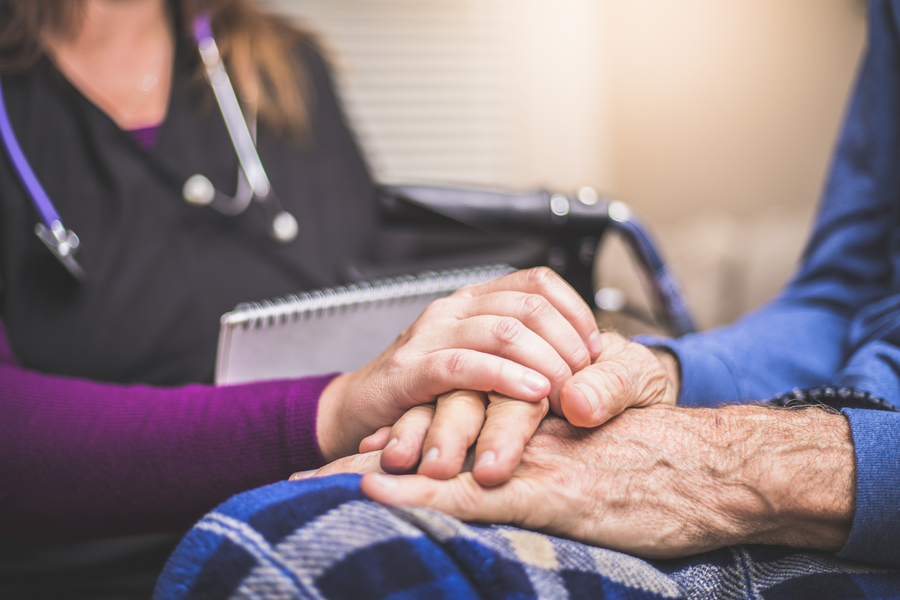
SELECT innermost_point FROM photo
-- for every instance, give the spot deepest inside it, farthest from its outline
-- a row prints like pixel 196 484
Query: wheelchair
pixel 463 226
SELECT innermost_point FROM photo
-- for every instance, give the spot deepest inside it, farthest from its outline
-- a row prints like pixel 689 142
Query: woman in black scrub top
pixel 109 103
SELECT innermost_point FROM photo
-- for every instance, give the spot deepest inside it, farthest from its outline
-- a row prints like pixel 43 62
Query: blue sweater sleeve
pixel 847 286
pixel 876 521
pixel 838 320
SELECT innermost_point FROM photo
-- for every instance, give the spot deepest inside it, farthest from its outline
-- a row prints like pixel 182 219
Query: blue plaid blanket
pixel 321 538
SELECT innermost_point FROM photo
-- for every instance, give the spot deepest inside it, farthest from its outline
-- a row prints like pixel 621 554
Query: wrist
pixel 328 430
pixel 788 476
pixel 672 367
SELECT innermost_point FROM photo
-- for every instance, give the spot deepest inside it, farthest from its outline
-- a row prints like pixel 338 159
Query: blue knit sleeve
pixel 785 345
pixel 838 321
pixel 876 521
pixel 845 293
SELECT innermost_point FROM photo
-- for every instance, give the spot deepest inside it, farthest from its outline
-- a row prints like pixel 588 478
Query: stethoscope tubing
pixel 41 201
pixel 231 109
pixel 282 225
pixel 62 242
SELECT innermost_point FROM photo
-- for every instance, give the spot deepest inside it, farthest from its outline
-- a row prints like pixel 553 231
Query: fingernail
pixel 535 381
pixel 432 454
pixel 592 397
pixel 393 442
pixel 487 458
pixel 595 343
pixel 384 480
pixel 303 475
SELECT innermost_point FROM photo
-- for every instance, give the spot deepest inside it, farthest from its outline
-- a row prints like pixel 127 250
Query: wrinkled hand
pixel 626 374
pixel 522 336
pixel 445 432
pixel 508 425
pixel 663 482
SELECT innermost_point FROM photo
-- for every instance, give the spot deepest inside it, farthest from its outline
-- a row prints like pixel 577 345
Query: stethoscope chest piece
pixel 253 184
pixel 63 243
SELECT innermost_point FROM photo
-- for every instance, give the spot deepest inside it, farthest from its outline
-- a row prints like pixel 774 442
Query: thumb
pixel 631 375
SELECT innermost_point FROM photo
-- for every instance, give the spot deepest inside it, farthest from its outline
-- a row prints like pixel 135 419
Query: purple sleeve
pixel 88 459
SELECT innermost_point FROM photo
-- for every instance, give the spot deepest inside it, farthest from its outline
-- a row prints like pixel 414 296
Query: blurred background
pixel 714 119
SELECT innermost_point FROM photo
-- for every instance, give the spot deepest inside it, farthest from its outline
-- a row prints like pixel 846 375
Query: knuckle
pixel 560 371
pixel 499 370
pixel 581 357
pixel 535 306
pixel 542 277
pixel 506 331
pixel 455 364
pixel 437 307
pixel 467 496
pixel 399 362
pixel 618 383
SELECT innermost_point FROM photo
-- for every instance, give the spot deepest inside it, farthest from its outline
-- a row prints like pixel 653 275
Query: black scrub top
pixel 160 272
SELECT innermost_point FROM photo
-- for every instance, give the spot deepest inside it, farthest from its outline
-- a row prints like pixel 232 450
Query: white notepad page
pixel 336 329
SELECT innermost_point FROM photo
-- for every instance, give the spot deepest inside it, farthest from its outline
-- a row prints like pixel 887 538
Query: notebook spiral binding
pixel 360 295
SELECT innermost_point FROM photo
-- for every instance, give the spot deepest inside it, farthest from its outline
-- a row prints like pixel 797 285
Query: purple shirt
pixel 84 459
pixel 146 136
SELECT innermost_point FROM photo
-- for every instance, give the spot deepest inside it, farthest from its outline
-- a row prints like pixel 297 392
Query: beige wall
pixel 728 103
pixel 724 115
pixel 561 93
pixel 715 119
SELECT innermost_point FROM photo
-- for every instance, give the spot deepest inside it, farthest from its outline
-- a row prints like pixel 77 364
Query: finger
pixel 461 497
pixel 356 463
pixel 551 286
pixel 509 338
pixel 404 448
pixel 539 315
pixel 508 426
pixel 376 441
pixel 303 475
pixel 463 369
pixel 599 393
pixel 458 418
pixel 630 376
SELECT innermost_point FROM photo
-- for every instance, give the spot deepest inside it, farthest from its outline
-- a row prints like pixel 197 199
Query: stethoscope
pixel 253 184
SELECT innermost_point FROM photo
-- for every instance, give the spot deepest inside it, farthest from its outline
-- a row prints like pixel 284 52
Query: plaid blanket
pixel 321 538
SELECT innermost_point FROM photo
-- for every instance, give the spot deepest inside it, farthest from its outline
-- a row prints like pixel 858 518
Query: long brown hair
pixel 256 46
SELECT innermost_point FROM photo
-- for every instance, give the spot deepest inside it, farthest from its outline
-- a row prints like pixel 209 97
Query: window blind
pixel 425 84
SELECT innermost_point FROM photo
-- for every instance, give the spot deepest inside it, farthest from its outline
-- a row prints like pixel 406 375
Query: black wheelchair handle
pixel 491 211
pixel 573 228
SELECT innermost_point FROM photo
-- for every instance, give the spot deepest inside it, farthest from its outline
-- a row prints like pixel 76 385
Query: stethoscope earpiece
pixel 253 184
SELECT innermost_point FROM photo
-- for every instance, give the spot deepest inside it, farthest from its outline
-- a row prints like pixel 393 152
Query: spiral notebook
pixel 335 329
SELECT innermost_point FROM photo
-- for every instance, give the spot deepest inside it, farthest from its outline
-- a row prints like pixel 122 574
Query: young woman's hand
pixel 522 336
pixel 436 437
pixel 441 439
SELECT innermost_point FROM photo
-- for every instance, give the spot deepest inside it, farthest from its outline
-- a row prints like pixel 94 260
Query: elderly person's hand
pixel 662 481
pixel 522 335
pixel 623 375
pixel 626 374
